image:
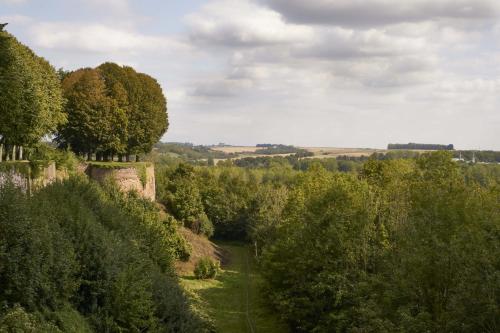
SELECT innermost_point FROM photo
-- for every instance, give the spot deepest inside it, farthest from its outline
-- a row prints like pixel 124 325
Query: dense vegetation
pixel 76 257
pixel 395 245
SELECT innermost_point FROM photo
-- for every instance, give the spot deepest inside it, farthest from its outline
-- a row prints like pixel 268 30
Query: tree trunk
pixel 14 152
pixel 120 158
pixel 128 157
pixel 137 158
pixel 112 157
pixel 1 153
pixel 20 153
pixel 29 182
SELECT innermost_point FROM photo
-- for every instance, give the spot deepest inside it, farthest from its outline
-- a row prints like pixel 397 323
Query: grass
pixel 118 165
pixel 233 298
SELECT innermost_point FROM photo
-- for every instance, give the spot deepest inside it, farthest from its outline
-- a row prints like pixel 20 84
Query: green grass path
pixel 233 299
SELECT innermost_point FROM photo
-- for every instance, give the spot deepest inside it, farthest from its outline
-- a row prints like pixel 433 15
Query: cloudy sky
pixel 344 73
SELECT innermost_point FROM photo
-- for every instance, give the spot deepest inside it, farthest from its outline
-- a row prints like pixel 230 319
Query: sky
pixel 337 73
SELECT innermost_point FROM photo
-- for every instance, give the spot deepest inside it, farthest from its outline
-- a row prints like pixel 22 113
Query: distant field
pixel 319 152
pixel 322 152
pixel 236 149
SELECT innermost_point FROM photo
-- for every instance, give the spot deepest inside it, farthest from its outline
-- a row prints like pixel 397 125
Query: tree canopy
pixel 113 110
pixel 31 102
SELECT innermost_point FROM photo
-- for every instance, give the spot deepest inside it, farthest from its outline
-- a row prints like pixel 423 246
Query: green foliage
pixel 265 214
pixel 17 320
pixel 142 98
pixel 410 247
pixel 280 149
pixel 181 195
pixel 399 243
pixel 119 165
pixel 190 152
pixel 202 226
pixel 112 110
pixel 31 101
pixel 96 122
pixel 206 268
pixel 44 152
pixel 81 258
pixel 143 174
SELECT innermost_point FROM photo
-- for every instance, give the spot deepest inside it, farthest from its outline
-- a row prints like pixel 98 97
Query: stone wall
pixel 140 178
pixel 19 175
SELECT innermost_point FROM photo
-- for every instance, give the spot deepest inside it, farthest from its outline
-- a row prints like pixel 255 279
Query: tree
pixel 146 106
pixel 112 110
pixel 96 122
pixel 31 102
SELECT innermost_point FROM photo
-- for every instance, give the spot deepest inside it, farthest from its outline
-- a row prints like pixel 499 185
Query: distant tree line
pixel 190 152
pixel 280 149
pixel 419 146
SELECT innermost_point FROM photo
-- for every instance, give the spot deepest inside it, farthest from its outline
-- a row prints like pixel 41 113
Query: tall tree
pixel 96 122
pixel 145 104
pixel 31 102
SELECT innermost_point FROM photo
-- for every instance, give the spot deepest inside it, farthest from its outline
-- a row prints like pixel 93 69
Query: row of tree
pixel 103 112
pixel 31 101
pixel 112 110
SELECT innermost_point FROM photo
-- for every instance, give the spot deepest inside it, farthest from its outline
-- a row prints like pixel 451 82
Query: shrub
pixel 206 268
pixel 202 226
pixel 77 258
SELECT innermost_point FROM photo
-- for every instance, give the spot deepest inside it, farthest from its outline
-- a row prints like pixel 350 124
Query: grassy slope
pixel 234 294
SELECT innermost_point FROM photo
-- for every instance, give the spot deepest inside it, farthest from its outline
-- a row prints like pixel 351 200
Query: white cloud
pixel 13 2
pixel 15 19
pixel 241 23
pixel 382 12
pixel 99 38
pixel 315 72
pixel 115 6
pixel 341 68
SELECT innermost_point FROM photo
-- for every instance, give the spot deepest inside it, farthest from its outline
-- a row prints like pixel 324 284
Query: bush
pixel 17 319
pixel 206 268
pixel 202 226
pixel 64 159
pixel 75 257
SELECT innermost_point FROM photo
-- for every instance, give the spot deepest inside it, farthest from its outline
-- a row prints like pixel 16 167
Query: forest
pixel 395 242
pixel 400 245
